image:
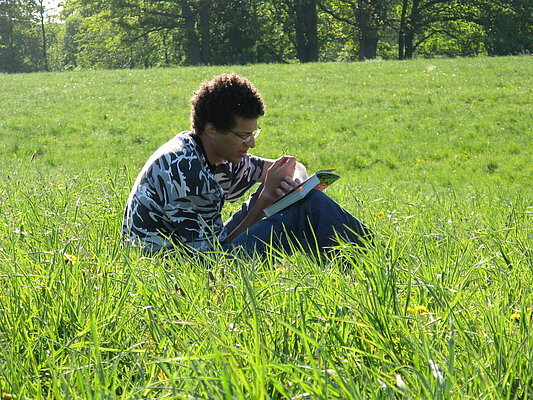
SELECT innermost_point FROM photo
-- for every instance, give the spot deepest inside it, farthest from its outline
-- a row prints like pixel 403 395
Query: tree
pixel 303 14
pixel 140 25
pixel 367 16
pixel 423 19
pixel 235 31
pixel 508 25
pixel 20 47
pixel 41 13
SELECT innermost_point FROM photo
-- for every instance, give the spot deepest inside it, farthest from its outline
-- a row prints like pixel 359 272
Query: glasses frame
pixel 249 136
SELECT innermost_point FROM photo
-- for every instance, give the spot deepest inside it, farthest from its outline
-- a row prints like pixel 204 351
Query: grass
pixel 434 156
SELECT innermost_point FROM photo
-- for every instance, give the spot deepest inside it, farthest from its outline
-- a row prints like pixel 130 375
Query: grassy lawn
pixel 435 155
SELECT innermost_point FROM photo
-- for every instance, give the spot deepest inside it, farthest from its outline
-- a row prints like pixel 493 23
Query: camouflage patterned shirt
pixel 178 197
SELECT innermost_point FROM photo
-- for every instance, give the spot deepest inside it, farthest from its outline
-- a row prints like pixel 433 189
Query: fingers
pixel 284 163
pixel 279 193
pixel 292 182
pixel 285 186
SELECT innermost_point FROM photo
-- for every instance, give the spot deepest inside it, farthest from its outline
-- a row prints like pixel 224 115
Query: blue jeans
pixel 312 224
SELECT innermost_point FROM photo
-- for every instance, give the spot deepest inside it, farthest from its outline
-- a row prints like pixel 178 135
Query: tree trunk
pixel 368 32
pixel 368 44
pixel 43 36
pixel 194 55
pixel 306 30
pixel 204 27
pixel 412 24
pixel 409 44
pixel 402 32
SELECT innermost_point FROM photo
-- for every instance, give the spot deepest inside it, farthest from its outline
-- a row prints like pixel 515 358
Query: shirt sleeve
pixel 236 179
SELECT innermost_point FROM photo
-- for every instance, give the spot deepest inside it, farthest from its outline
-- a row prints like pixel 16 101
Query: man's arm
pixel 279 177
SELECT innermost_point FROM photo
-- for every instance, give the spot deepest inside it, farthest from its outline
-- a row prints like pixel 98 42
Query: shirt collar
pixel 196 138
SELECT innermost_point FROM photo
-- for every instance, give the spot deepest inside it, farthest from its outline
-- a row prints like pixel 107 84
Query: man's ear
pixel 210 129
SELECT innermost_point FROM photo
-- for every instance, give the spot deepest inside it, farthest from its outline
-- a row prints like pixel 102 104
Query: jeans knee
pixel 320 200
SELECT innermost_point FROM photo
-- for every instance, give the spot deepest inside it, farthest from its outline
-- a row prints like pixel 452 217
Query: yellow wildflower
pixel 421 309
pixel 7 396
pixel 515 316
pixel 69 258
pixel 417 309
pixel 380 214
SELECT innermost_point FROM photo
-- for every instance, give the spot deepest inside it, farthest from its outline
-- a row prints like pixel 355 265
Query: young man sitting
pixel 177 198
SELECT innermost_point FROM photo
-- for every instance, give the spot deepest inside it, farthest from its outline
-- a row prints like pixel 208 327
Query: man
pixel 178 196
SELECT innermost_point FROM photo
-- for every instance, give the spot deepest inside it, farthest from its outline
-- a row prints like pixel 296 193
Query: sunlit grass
pixel 440 307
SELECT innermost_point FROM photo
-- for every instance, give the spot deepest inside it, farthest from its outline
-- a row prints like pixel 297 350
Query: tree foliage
pixel 20 40
pixel 150 33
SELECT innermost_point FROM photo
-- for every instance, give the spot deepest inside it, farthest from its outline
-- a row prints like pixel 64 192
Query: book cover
pixel 320 180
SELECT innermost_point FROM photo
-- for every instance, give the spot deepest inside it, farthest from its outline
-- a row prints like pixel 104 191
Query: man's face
pixel 230 145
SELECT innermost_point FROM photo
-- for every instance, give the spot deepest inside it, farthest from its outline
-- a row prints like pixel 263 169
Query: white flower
pixel 401 384
pixel 435 371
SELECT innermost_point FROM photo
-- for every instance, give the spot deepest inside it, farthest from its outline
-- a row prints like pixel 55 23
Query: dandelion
pixel 70 258
pixel 280 269
pixel 420 309
pixel 380 214
pixel 515 316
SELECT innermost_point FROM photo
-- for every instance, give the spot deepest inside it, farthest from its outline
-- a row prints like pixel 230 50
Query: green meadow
pixel 435 156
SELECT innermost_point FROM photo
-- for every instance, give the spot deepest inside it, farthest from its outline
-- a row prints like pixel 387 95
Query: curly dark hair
pixel 222 99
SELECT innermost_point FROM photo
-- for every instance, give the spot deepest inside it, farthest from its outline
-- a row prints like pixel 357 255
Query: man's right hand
pixel 279 181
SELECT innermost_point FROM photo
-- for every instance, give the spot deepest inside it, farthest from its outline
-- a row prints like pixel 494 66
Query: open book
pixel 319 180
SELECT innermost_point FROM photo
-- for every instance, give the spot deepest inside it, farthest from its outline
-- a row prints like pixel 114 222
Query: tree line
pixel 153 33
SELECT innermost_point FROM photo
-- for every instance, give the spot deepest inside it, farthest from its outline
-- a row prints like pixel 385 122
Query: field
pixel 435 156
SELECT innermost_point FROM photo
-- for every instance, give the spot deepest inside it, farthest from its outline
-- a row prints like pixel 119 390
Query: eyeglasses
pixel 246 138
